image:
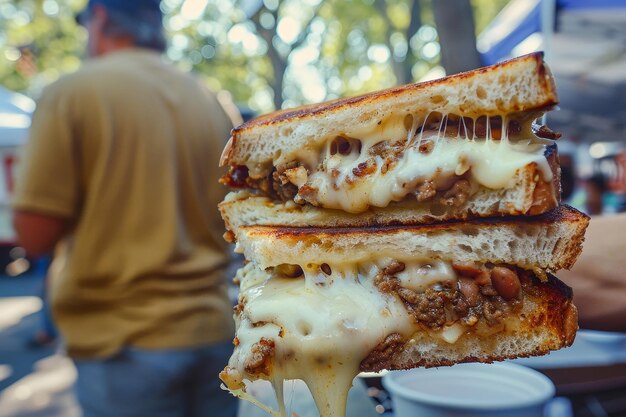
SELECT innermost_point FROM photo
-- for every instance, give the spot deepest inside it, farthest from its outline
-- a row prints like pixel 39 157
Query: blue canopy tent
pixel 583 41
pixel 584 45
pixel 522 18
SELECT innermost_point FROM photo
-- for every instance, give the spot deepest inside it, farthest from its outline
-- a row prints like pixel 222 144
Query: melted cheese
pixel 418 276
pixel 491 163
pixel 323 326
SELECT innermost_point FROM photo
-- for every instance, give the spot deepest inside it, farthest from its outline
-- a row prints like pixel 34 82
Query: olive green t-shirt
pixel 127 149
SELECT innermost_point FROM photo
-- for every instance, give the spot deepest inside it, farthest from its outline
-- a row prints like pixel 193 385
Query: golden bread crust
pixel 252 209
pixel 319 109
pixel 550 241
pixel 550 324
pixel 520 85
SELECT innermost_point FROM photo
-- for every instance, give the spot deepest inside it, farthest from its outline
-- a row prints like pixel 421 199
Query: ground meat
pixel 260 361
pixel 238 309
pixel 425 191
pixel 491 312
pixel 457 195
pixel 364 168
pixel 285 191
pixel 473 296
pixel 469 314
pixel 393 268
pixel 390 153
pixel 280 170
pixel 307 194
pixel 383 353
pixel 488 290
pixel 386 280
pixel 387 150
pixel 495 308
pixel 386 283
pixel 278 186
pixel 427 308
pixel 461 305
pixel 274 186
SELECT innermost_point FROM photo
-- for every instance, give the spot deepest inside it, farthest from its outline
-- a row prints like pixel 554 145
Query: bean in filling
pixel 481 293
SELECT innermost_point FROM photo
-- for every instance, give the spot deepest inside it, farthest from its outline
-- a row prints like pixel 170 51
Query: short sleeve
pixel 47 180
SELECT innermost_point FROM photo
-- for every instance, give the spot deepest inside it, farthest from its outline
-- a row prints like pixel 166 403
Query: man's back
pixel 137 146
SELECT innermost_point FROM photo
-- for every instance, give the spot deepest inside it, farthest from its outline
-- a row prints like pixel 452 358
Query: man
pixel 120 177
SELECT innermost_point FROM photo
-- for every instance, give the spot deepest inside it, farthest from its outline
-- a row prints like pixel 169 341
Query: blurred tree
pixel 280 43
pixel 398 39
pixel 457 35
pixel 266 53
pixel 39 40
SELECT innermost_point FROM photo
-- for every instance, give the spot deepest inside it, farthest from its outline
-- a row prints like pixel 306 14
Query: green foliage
pixel 325 49
pixel 485 11
pixel 39 41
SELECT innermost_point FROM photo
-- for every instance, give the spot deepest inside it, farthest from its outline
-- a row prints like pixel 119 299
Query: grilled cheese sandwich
pixel 324 305
pixel 408 144
pixel 415 226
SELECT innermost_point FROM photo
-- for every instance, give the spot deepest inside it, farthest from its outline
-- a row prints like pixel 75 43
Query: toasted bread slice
pixel 523 84
pixel 326 326
pixel 550 241
pixel 437 143
pixel 548 321
pixel 522 197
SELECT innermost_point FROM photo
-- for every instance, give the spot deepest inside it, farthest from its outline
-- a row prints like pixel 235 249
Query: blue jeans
pixel 156 383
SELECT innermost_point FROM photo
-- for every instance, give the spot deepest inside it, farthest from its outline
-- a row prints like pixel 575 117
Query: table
pixel 591 373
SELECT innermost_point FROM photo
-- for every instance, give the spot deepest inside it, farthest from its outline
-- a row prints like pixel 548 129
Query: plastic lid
pixel 472 386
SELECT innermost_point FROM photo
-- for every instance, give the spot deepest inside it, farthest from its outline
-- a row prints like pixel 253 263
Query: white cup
pixel 469 390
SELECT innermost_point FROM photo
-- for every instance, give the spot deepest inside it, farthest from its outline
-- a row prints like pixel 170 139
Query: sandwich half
pixel 322 305
pixel 458 147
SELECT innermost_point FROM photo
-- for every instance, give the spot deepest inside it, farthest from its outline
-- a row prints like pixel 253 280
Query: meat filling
pixel 260 360
pixel 451 193
pixel 275 186
pixel 481 293
pixel 383 352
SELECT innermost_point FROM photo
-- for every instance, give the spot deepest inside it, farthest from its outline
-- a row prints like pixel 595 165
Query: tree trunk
pixel 457 36
pixel 401 66
pixel 280 61
pixel 414 25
